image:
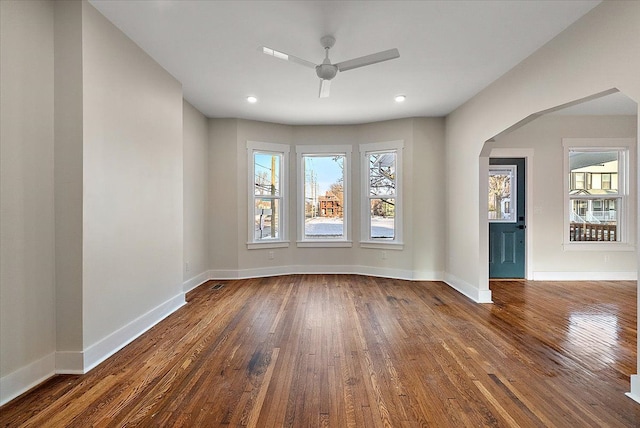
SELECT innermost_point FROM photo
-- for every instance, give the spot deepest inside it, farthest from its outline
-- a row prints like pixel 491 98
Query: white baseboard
pixel 428 276
pixel 80 362
pixel 223 274
pixel 106 347
pixel 634 394
pixel 196 281
pixel 228 274
pixel 585 276
pixel 478 296
pixel 484 296
pixel 382 272
pixel 25 378
pixel 70 362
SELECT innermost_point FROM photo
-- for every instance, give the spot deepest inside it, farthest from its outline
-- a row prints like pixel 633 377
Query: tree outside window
pixel 381 205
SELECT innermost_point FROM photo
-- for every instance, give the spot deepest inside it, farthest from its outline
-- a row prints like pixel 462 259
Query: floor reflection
pixel 593 335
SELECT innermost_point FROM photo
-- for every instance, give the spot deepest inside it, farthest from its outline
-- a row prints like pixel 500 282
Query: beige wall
pixel 69 184
pixel 133 191
pixel 27 288
pixel 428 197
pixel 546 227
pixel 421 257
pixel 195 137
pixel 92 191
pixel 223 194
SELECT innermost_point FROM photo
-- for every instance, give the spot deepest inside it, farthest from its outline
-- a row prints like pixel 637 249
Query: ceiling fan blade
pixel 325 85
pixel 281 55
pixel 368 59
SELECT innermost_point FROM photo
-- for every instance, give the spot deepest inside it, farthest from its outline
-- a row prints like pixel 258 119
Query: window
pixel 381 165
pixel 578 180
pixel 502 193
pixel 323 196
pixel 267 194
pixel 596 191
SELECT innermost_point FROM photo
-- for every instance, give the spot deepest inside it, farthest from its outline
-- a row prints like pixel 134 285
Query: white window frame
pixel 365 217
pixel 322 150
pixel 625 147
pixel 282 150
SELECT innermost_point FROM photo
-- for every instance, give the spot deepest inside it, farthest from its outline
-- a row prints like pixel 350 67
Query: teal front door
pixel 507 221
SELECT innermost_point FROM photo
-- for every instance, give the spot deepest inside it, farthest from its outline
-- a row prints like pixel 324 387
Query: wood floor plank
pixel 354 351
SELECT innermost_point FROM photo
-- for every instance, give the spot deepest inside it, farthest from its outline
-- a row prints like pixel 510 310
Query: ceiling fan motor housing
pixel 326 71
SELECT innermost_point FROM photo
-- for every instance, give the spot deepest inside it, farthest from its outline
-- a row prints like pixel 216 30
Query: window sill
pixel 324 244
pixel 390 245
pixel 269 244
pixel 598 246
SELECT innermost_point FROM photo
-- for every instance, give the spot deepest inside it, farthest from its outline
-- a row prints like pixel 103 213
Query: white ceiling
pixel 449 51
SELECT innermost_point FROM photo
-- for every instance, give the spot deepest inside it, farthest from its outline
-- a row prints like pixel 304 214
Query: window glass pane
pixel 382 174
pixel 593 219
pixel 266 222
pixel 383 215
pixel 324 196
pixel 502 198
pixel 593 172
pixel 267 173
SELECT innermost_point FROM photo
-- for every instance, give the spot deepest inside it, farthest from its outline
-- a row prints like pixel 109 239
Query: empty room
pixel 319 213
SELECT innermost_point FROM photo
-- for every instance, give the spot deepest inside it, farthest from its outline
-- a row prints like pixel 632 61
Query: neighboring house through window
pixel 596 191
pixel 323 195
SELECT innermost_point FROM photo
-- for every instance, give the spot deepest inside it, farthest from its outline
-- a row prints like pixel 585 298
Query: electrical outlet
pixel 383 255
pixel 271 255
pixel 187 267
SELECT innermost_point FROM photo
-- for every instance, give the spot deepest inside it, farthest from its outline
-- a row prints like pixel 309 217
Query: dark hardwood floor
pixel 345 350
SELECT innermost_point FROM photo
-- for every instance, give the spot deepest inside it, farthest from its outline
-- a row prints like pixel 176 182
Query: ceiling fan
pixel 327 71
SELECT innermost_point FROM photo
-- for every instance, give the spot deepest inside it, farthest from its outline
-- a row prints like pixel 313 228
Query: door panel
pixel 506 227
pixel 509 247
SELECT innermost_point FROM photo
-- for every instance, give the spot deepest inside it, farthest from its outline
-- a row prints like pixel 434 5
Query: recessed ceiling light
pixel 400 98
pixel 252 99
